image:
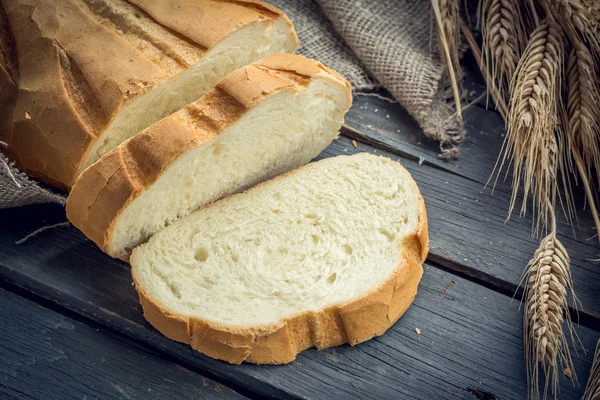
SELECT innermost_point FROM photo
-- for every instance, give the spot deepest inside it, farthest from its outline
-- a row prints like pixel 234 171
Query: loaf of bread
pixel 328 254
pixel 8 87
pixel 8 95
pixel 92 73
pixel 258 122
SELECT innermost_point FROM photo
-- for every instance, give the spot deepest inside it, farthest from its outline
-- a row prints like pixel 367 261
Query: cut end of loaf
pixel 106 69
pixel 239 48
pixel 315 258
pixel 258 122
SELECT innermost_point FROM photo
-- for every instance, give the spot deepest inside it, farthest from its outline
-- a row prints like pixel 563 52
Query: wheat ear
pixel 532 122
pixel 503 37
pixel 447 15
pixel 583 128
pixel 548 280
pixel 592 389
pixel 579 20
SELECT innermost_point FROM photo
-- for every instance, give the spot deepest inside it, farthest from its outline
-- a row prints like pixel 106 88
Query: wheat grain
pixel 530 140
pixel 583 128
pixel 592 389
pixel 583 104
pixel 574 13
pixel 579 20
pixel 503 36
pixel 548 279
pixel 593 8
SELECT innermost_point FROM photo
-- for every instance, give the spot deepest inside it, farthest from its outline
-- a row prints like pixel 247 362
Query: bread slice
pixel 327 254
pixel 95 72
pixel 260 121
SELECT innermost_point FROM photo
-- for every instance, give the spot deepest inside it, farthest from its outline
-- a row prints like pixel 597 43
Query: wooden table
pixel 71 325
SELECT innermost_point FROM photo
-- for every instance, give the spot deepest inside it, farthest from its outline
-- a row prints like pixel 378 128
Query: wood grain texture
pixel 468 227
pixel 46 355
pixel 470 339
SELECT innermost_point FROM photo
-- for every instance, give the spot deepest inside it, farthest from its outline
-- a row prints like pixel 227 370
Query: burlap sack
pixel 394 41
pixel 16 189
pixel 370 42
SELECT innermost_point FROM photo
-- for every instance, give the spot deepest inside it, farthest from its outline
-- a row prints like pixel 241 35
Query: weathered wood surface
pixel 470 339
pixel 468 224
pixel 47 355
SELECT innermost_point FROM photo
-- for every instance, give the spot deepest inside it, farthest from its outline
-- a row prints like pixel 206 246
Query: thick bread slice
pixel 327 254
pixel 260 121
pixel 93 73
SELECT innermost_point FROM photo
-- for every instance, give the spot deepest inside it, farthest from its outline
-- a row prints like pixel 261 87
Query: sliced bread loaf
pixel 260 121
pixel 92 73
pixel 327 254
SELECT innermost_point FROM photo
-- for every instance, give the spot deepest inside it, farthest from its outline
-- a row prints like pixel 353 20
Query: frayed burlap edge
pixel 17 189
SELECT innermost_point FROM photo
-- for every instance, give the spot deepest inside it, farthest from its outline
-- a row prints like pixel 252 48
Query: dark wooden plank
pixel 388 126
pixel 377 119
pixel 470 336
pixel 467 221
pixel 46 355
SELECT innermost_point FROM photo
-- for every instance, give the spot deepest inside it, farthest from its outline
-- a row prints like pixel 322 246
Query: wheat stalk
pixel 592 389
pixel 548 279
pixel 492 89
pixel 503 38
pixel 532 122
pixel 447 16
pixel 583 128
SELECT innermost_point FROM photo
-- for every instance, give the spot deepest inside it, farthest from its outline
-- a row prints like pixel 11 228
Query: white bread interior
pixel 326 235
pixel 258 122
pixel 283 132
pixel 240 48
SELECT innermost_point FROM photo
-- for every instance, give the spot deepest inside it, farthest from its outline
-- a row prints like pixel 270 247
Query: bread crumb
pixel 568 373
pixel 418 331
pixel 421 159
pixel 27 115
pixel 387 115
pixel 448 286
pixel 354 143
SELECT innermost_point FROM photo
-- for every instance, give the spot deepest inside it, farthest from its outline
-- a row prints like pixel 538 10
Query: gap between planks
pixel 356 134
pixel 22 292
